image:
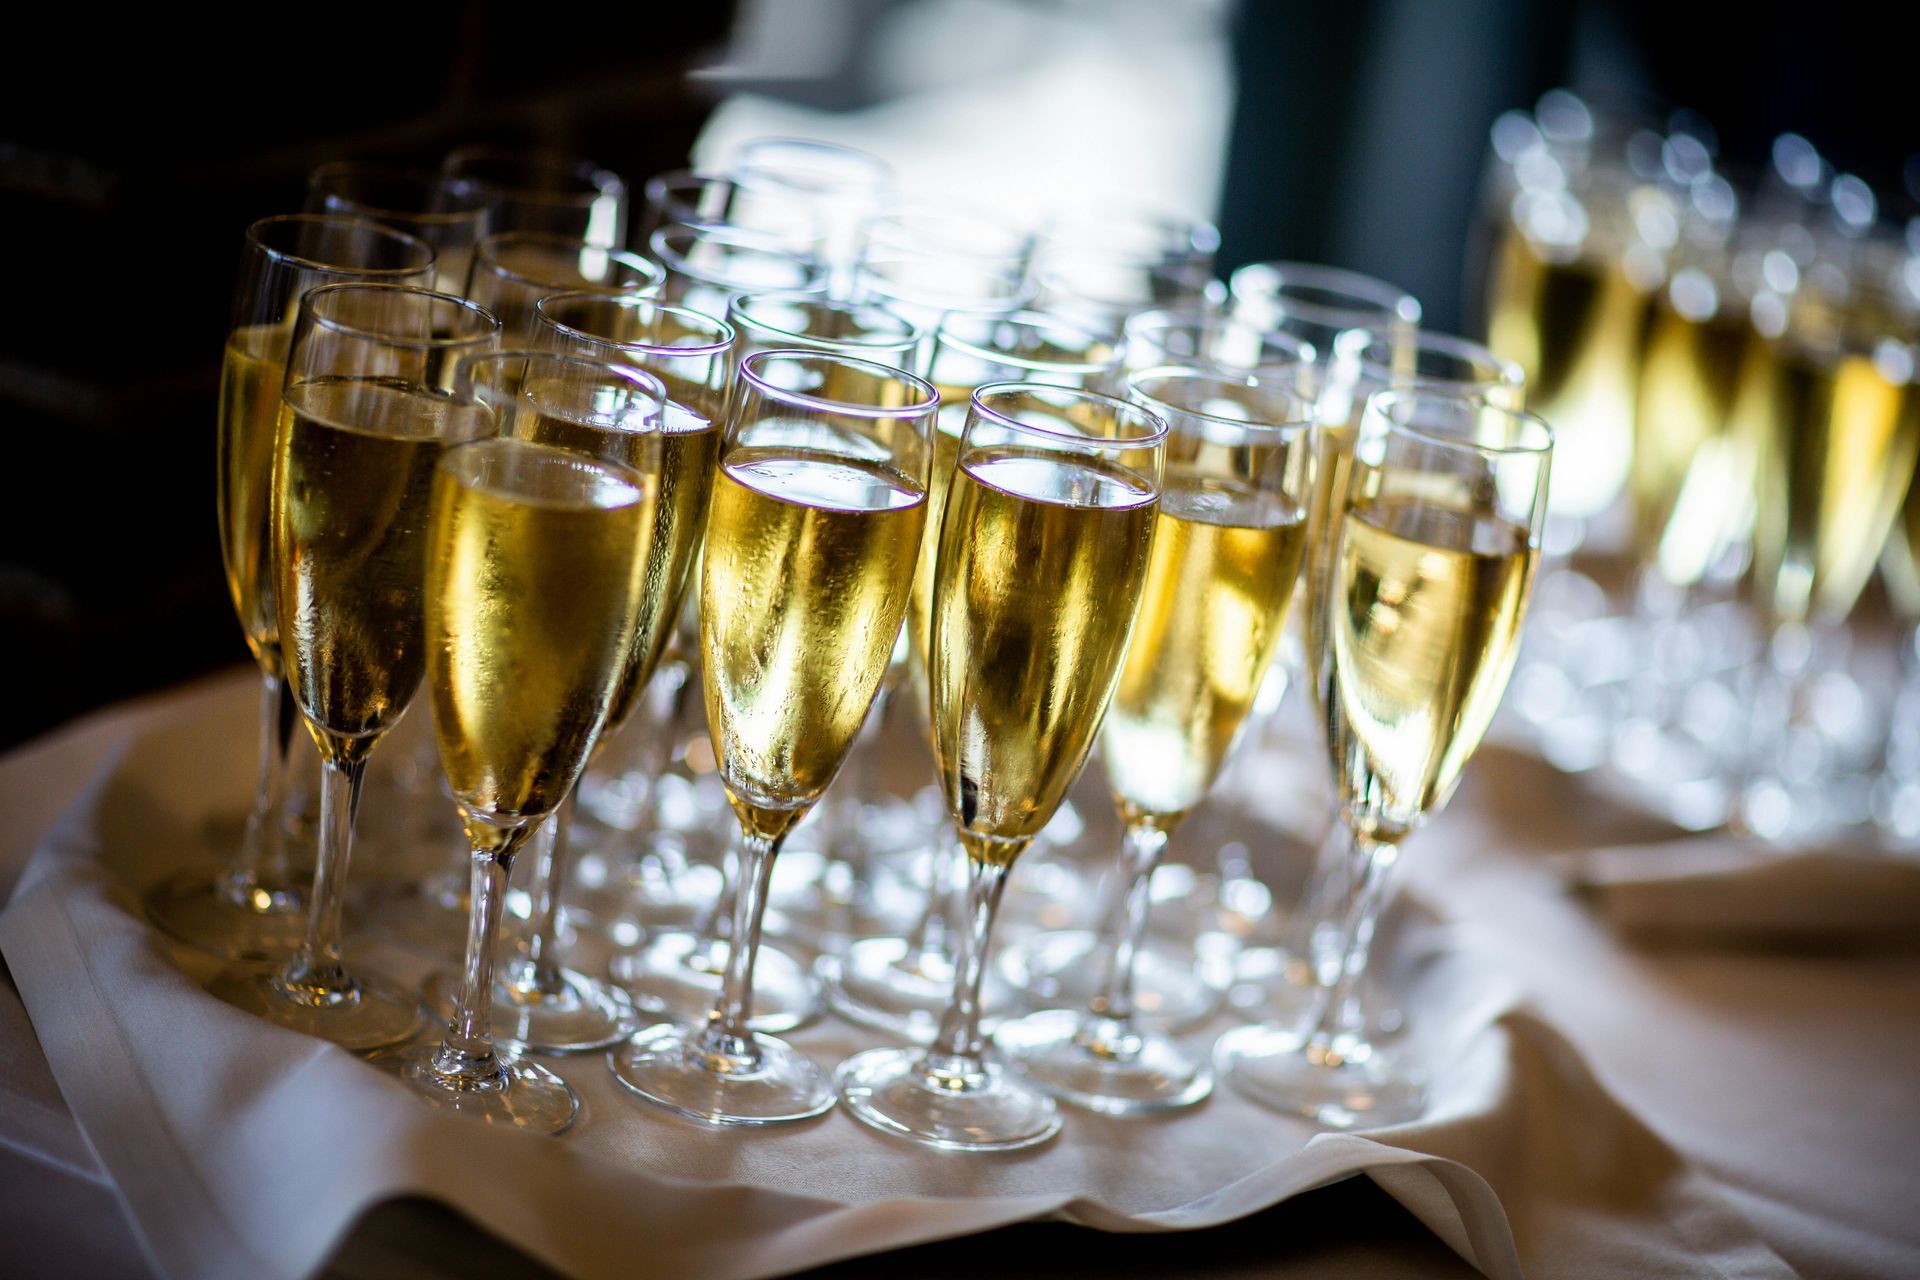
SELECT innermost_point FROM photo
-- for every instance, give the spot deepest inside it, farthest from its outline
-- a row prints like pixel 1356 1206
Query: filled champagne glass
pixel 448 213
pixel 1433 566
pixel 1228 545
pixel 251 909
pixel 902 983
pixel 811 322
pixel 805 577
pixel 540 191
pixel 1043 560
pixel 537 553
pixel 513 270
pixel 707 265
pixel 365 419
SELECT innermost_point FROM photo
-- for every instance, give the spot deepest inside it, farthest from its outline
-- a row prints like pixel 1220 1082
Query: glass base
pixel 677 977
pixel 1174 990
pixel 1098 1064
pixel 776 1084
pixel 200 910
pixel 879 984
pixel 370 1017
pixel 585 1014
pixel 522 1095
pixel 987 1109
pixel 1366 1088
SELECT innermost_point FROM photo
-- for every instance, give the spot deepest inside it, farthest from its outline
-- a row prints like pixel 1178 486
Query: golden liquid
pixel 1836 443
pixel 1042 563
pixel 949 424
pixel 1900 565
pixel 1333 464
pixel 353 479
pixel 533 585
pixel 250 376
pixel 804 582
pixel 1222 572
pixel 1425 632
pixel 1576 329
pixel 1688 377
pixel 688 446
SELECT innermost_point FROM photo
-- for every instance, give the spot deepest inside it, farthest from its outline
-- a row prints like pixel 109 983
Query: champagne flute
pixel 841 187
pixel 805 579
pixel 513 270
pixel 924 264
pixel 448 213
pixel 1433 565
pixel 250 910
pixel 902 983
pixel 1206 338
pixel 1043 559
pixel 365 420
pixel 536 578
pixel 811 322
pixel 1318 303
pixel 530 190
pixel 707 265
pixel 1101 268
pixel 1228 544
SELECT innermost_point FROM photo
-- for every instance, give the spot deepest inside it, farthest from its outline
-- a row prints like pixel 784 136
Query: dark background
pixel 131 159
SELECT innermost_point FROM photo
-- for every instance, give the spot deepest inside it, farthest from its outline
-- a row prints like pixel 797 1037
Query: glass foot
pixel 677 977
pixel 1101 1065
pixel 369 1017
pixel 1360 1088
pixel 1174 990
pixel 904 1093
pixel 670 1067
pixel 261 927
pixel 881 983
pixel 521 1095
pixel 584 1014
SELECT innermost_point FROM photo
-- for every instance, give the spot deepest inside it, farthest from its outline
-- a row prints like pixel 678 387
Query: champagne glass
pixel 1228 545
pixel 1206 338
pixel 924 264
pixel 1317 303
pixel 513 270
pixel 805 578
pixel 811 322
pixel 901 983
pixel 448 213
pixel 684 198
pixel 841 187
pixel 1101 268
pixel 536 578
pixel 1043 559
pixel 1433 565
pixel 364 421
pixel 707 265
pixel 530 190
pixel 250 910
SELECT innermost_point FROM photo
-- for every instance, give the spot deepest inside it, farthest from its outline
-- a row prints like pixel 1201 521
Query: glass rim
pixel 650 383
pixel 257 230
pixel 722 333
pixel 732 238
pixel 430 342
pixel 744 319
pixel 749 374
pixel 1382 405
pixel 1038 321
pixel 1298 348
pixel 597 181
pixel 475 212
pixel 1291 396
pixel 879 172
pixel 1370 297
pixel 1353 344
pixel 483 255
pixel 978 408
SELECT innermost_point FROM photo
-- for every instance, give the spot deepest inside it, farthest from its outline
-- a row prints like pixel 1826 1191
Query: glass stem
pixel 259 869
pixel 1335 1016
pixel 930 939
pixel 727 1035
pixel 541 974
pixel 315 974
pixel 1109 1029
pixel 465 1058
pixel 956 1055
pixel 659 705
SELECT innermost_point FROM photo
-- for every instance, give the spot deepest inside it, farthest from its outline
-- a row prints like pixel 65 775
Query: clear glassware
pixel 707 265
pixel 1433 566
pixel 448 213
pixel 1043 554
pixel 685 198
pixel 841 187
pixel 811 322
pixel 513 270
pixel 251 910
pixel 1101 268
pixel 533 190
pixel 805 577
pixel 535 591
pixel 925 264
pixel 1317 303
pixel 902 983
pixel 1209 338
pixel 1229 543
pixel 365 419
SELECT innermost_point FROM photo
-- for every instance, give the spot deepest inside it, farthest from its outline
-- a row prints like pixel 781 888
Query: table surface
pixel 1787 1076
